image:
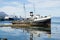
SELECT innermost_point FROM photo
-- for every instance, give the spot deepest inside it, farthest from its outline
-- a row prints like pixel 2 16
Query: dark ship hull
pixel 46 22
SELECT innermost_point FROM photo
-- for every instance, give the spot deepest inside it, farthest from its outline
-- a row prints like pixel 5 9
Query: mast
pixel 33 7
pixel 33 3
pixel 24 9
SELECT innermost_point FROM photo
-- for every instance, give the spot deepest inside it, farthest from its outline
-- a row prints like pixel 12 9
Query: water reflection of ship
pixel 34 32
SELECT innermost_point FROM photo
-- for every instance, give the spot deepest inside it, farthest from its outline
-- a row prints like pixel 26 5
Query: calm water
pixel 32 33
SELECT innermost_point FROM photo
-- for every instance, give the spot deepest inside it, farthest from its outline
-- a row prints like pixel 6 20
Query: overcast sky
pixel 42 7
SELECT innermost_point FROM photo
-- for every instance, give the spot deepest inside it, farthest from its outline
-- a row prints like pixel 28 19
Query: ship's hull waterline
pixel 42 22
pixel 35 23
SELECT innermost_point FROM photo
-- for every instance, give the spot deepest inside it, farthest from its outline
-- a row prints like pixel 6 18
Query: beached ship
pixel 35 20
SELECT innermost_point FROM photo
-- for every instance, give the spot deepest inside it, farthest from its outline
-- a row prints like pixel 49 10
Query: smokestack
pixel 31 14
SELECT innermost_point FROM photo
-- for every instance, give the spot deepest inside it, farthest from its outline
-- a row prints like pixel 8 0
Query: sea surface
pixel 32 33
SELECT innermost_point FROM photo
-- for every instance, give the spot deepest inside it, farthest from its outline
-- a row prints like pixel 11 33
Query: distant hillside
pixel 3 14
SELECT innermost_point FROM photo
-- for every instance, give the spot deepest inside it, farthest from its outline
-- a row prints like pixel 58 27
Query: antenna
pixel 24 9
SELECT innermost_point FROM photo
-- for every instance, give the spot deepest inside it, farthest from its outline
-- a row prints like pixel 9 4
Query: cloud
pixel 42 7
pixel 46 7
pixel 44 3
pixel 10 10
pixel 12 3
pixel 16 8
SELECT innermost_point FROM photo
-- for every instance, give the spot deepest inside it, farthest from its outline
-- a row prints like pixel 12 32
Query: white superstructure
pixel 41 19
pixel 38 18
